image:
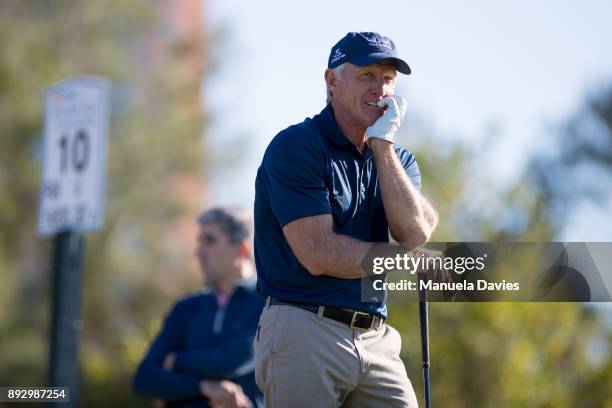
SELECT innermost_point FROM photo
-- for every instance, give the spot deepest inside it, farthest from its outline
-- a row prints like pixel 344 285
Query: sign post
pixel 72 200
pixel 65 309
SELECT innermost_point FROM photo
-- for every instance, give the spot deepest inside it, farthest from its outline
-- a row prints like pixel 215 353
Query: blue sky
pixel 518 66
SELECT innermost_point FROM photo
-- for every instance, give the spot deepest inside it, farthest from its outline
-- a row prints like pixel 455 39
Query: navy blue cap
pixel 365 49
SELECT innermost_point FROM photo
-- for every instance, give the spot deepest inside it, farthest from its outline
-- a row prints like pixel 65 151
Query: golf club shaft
pixel 423 315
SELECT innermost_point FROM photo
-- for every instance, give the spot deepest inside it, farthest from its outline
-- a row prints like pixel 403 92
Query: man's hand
pixel 386 126
pixel 224 394
pixel 169 361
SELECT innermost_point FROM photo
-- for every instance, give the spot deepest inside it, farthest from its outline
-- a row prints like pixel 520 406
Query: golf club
pixel 424 338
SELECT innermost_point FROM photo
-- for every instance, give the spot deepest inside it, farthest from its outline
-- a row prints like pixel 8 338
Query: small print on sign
pixel 72 193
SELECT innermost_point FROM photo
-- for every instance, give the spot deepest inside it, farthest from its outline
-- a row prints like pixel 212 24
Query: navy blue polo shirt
pixel 210 341
pixel 311 169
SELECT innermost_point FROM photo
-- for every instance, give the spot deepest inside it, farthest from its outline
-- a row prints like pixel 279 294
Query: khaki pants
pixel 306 360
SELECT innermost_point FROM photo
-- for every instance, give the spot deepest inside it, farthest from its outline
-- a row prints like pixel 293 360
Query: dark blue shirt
pixel 311 169
pixel 211 342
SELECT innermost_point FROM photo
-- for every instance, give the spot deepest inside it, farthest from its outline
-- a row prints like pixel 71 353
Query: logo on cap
pixel 337 55
pixel 380 42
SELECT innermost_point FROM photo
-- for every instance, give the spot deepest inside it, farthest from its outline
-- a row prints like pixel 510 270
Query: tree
pixel 579 166
pixel 143 253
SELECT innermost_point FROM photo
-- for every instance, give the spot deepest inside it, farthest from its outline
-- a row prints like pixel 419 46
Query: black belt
pixel 354 319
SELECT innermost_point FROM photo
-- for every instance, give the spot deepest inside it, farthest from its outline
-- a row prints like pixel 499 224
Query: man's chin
pixel 368 118
pixel 369 122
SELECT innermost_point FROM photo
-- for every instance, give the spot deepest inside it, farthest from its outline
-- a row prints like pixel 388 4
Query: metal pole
pixel 423 315
pixel 66 307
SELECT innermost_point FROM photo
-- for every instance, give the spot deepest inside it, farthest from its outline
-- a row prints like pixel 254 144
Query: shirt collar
pixel 329 127
pixel 247 283
pixel 242 284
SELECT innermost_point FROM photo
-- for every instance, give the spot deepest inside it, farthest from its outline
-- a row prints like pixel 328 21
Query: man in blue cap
pixel 327 189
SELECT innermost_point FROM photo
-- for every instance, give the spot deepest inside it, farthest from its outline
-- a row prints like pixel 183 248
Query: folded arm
pixel 322 251
pixel 152 379
pixel 233 359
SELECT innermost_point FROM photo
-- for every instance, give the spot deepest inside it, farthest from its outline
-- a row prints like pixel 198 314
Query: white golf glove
pixel 386 126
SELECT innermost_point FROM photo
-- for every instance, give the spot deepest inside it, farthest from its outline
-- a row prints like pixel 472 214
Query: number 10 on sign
pixel 72 192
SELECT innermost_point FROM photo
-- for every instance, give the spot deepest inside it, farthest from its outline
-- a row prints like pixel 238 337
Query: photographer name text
pixel 481 285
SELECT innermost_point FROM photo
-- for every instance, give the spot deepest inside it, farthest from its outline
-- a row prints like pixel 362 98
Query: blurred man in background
pixel 203 355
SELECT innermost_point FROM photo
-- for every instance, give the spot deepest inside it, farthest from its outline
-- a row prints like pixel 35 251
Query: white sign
pixel 72 193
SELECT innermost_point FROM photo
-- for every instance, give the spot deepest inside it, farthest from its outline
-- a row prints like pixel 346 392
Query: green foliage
pixel 141 259
pixel 509 354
